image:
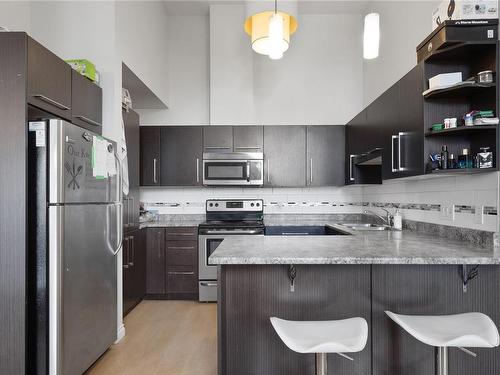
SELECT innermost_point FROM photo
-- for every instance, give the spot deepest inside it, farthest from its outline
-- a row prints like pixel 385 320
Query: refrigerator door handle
pixel 119 228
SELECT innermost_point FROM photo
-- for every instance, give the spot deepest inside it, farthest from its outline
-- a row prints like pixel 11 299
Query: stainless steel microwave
pixel 235 168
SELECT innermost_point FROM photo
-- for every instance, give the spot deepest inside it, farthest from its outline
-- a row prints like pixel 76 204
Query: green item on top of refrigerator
pixel 85 68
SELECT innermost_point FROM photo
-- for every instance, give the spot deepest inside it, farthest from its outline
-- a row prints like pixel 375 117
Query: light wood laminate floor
pixel 167 338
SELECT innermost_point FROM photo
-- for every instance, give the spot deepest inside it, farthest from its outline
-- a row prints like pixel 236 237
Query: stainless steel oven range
pixel 224 218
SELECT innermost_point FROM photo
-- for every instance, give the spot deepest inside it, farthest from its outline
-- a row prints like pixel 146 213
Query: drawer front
pixel 182 253
pixel 182 279
pixel 182 233
pixel 49 81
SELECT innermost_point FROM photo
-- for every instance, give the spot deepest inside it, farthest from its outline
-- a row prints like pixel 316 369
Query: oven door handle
pixel 204 283
pixel 222 233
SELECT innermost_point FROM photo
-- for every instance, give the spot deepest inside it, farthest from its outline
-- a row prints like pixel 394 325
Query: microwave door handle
pixel 248 171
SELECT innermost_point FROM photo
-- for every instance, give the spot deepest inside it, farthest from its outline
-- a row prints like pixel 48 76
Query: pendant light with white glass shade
pixel 371 36
pixel 270 28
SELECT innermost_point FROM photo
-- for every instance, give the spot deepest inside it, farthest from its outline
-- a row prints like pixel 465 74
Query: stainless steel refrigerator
pixel 75 232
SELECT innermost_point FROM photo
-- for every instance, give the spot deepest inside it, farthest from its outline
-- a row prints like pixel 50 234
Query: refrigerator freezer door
pixel 87 296
pixel 72 163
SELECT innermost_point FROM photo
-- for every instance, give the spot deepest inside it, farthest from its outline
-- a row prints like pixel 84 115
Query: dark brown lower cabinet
pixel 429 290
pixel 134 269
pixel 172 263
pixel 250 294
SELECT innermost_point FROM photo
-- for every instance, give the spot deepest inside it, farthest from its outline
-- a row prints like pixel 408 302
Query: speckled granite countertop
pixel 174 221
pixel 384 247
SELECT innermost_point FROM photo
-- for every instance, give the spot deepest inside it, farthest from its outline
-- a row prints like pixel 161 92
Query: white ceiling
pixel 201 7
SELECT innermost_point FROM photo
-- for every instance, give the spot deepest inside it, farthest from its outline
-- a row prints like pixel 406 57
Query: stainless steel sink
pixel 365 226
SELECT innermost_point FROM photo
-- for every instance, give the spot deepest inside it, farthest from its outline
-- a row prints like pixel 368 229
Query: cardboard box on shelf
pixel 464 10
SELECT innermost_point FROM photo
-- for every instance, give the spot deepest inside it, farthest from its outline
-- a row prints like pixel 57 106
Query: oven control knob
pixel 217 205
pixel 258 204
pixel 211 205
pixel 251 204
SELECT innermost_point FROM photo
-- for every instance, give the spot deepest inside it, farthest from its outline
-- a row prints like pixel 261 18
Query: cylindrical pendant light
pixel 270 25
pixel 371 36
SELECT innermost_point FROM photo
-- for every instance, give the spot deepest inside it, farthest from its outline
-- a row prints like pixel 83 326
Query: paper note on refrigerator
pixel 111 164
pixel 99 158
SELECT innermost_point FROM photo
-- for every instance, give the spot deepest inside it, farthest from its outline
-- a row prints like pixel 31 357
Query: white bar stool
pixel 322 337
pixel 473 330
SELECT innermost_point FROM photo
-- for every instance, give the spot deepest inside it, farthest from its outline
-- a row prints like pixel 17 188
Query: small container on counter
pixel 485 158
pixel 452 163
pixel 465 161
pixel 398 220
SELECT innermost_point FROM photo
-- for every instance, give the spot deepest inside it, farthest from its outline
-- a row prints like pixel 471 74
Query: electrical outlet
pixel 479 215
pixel 448 212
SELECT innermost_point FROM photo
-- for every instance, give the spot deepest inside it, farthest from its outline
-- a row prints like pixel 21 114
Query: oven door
pixel 232 172
pixel 207 244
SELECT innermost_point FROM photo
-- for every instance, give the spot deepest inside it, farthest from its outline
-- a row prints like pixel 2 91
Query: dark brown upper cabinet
pixel 285 156
pixel 181 155
pixel 218 139
pixel 86 103
pixel 248 138
pixel 407 136
pixel 131 201
pixel 150 155
pixel 325 155
pixel 49 81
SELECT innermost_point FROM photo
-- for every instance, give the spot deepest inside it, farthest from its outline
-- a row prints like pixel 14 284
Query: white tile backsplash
pixel 468 190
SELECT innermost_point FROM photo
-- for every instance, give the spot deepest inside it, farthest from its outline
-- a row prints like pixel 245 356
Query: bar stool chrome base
pixel 442 360
pixel 321 364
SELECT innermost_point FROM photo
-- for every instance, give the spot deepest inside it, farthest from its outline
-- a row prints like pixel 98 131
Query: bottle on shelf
pixel 465 160
pixel 444 157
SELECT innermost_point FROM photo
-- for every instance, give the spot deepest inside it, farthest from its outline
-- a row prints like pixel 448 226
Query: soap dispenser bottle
pixel 398 220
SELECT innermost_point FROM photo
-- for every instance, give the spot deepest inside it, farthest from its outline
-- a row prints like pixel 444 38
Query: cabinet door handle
pixel 181 273
pixel 51 102
pixel 311 180
pixel 155 180
pixel 132 247
pixel 131 212
pixel 125 253
pixel 351 162
pixel 248 148
pixel 392 153
pixel 400 165
pixel 197 170
pixel 268 170
pixel 88 121
pixel 217 148
pixel 180 248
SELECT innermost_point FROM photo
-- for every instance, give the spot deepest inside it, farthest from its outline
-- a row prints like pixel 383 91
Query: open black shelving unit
pixel 469 58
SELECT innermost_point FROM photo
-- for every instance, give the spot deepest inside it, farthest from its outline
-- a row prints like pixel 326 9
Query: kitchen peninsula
pixel 360 274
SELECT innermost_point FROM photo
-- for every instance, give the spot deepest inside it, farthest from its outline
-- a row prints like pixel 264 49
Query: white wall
pixel 143 43
pixel 320 78
pixel 403 25
pixel 15 15
pixel 188 44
